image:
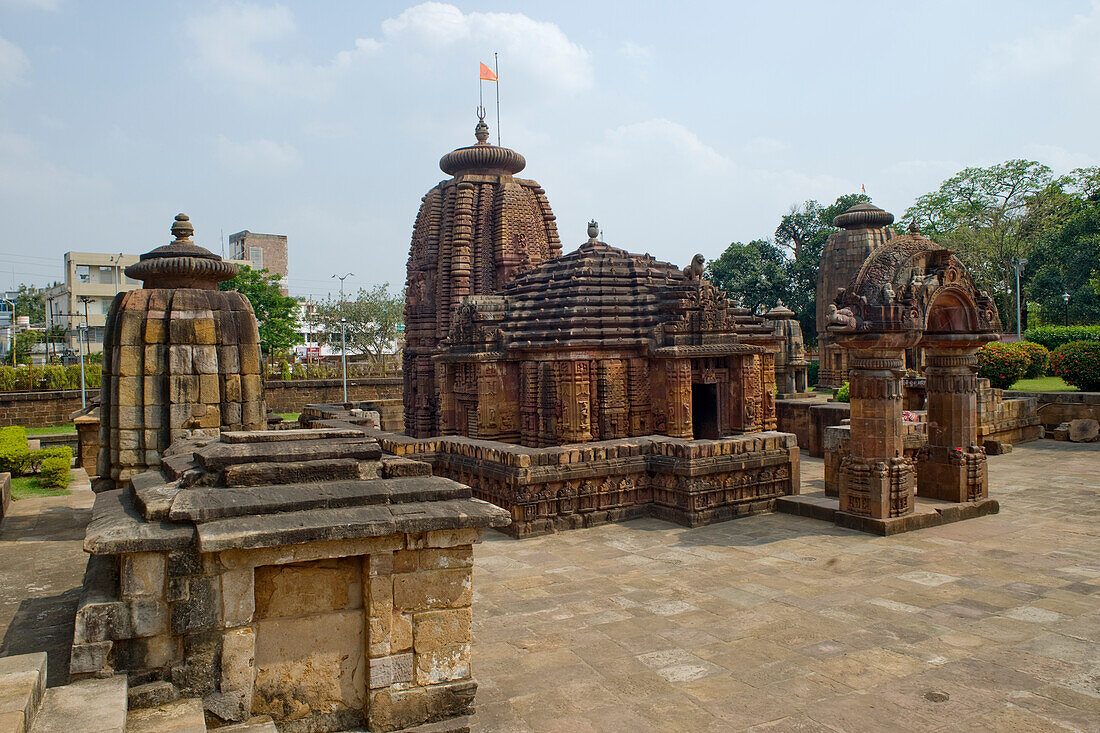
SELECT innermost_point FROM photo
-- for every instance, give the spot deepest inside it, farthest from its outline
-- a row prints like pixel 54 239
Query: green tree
pixel 981 214
pixel 275 312
pixel 752 273
pixel 31 301
pixel 24 342
pixel 373 321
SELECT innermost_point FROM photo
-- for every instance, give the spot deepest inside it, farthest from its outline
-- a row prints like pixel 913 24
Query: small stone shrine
pixel 790 362
pixel 181 359
pixel 863 229
pixel 602 344
pixel 473 234
pixel 299 574
pixel 910 292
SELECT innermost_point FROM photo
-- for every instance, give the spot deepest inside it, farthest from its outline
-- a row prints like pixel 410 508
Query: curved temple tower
pixel 474 233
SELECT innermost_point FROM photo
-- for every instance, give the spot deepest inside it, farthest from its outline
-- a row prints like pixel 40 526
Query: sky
pixel 681 127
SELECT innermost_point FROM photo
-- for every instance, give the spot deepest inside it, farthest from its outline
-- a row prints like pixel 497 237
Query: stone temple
pixel 591 387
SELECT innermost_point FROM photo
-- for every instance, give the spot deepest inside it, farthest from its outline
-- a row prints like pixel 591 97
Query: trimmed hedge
pixel 49 377
pixel 1038 358
pixel 13 450
pixel 1002 364
pixel 34 461
pixel 844 393
pixel 55 473
pixel 1078 363
pixel 1054 336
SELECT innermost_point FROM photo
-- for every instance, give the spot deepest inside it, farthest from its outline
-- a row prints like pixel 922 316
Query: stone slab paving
pixel 41 566
pixel 785 623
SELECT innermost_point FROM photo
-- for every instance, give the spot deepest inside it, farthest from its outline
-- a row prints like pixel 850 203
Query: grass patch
pixel 26 487
pixel 52 430
pixel 1043 384
pixel 289 416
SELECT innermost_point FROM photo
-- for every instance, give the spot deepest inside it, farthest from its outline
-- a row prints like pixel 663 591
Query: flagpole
pixel 496 70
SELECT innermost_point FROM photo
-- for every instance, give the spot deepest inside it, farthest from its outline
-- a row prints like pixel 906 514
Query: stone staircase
pixel 94 705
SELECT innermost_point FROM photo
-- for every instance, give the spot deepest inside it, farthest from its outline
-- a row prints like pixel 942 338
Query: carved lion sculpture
pixel 694 271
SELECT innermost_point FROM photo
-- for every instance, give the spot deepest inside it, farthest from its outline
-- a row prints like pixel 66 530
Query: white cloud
pixel 239 43
pixel 13 63
pixel 762 146
pixel 636 51
pixel 539 49
pixel 1058 158
pixel 258 156
pixel 1074 47
pixel 329 129
pixel 656 137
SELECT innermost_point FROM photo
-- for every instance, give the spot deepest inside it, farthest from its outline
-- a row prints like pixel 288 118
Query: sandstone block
pixel 390 670
pixel 401 633
pixel 229 360
pixel 437 629
pixel 179 358
pixel 89 658
pixel 379 564
pixel 143 574
pixel 405 561
pixel 996 447
pixel 148 617
pixel 238 597
pixel 177 589
pixel 155 332
pixel 129 362
pixel 200 611
pixel 309 588
pixel 231 388
pixel 239 660
pixel 432 589
pixel 99 622
pixel 209 389
pixel 452 537
pixel 394 708
pixel 445 559
pixel 249 357
pixel 151 694
pixel 1083 430
pixel 204 359
pixel 445 664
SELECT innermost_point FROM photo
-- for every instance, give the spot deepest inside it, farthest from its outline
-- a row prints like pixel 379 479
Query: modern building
pixel 260 251
pixel 92 280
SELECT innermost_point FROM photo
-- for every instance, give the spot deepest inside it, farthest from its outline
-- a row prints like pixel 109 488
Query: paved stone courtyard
pixel 772 621
pixel 787 623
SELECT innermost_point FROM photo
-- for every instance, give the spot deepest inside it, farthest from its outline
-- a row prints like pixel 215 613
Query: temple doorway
pixel 704 411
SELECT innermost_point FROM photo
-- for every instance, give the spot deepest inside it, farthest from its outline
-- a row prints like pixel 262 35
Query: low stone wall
pixel 690 482
pixel 294 395
pixel 1055 408
pixel 40 409
pixel 808 418
pixel 46 409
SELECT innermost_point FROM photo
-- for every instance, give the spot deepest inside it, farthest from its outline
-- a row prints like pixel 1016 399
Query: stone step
pixel 261 724
pixel 277 436
pixel 258 474
pixel 22 684
pixel 209 504
pixel 178 716
pixel 90 706
pixel 219 455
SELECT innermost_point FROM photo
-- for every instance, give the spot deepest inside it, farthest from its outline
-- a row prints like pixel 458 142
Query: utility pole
pixel 343 332
pixel 1020 263
pixel 82 334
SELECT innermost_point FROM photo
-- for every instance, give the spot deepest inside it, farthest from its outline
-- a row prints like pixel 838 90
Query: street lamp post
pixel 1065 297
pixel 343 332
pixel 344 354
pixel 82 337
pixel 1021 262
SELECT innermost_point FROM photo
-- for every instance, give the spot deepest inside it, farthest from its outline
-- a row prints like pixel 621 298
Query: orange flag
pixel 487 74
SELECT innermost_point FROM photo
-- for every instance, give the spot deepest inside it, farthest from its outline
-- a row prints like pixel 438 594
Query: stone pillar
pixel 641 398
pixel 574 389
pixel 612 383
pixel 877 480
pixel 678 399
pixel 952 466
pixel 529 404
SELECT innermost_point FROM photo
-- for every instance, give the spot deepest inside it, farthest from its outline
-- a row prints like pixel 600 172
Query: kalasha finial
pixel 593 231
pixel 182 229
pixel 481 130
pixel 913 228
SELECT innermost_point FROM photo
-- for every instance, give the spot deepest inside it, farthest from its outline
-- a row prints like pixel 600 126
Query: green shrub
pixel 1078 363
pixel 844 393
pixel 34 461
pixel 1038 358
pixel 54 473
pixel 1002 364
pixel 7 379
pixel 811 373
pixel 1054 336
pixel 13 450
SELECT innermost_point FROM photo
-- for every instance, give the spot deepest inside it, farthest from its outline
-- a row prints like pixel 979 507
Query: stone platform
pixel 299 574
pixel 690 482
pixel 926 513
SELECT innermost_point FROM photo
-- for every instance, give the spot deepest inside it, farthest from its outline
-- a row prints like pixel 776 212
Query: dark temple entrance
pixel 704 411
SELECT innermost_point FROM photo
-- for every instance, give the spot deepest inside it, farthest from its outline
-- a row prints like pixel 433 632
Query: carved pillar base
pixel 952 466
pixel 876 479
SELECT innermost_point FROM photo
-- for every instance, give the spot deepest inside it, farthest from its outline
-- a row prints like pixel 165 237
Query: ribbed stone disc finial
pixel 182 228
